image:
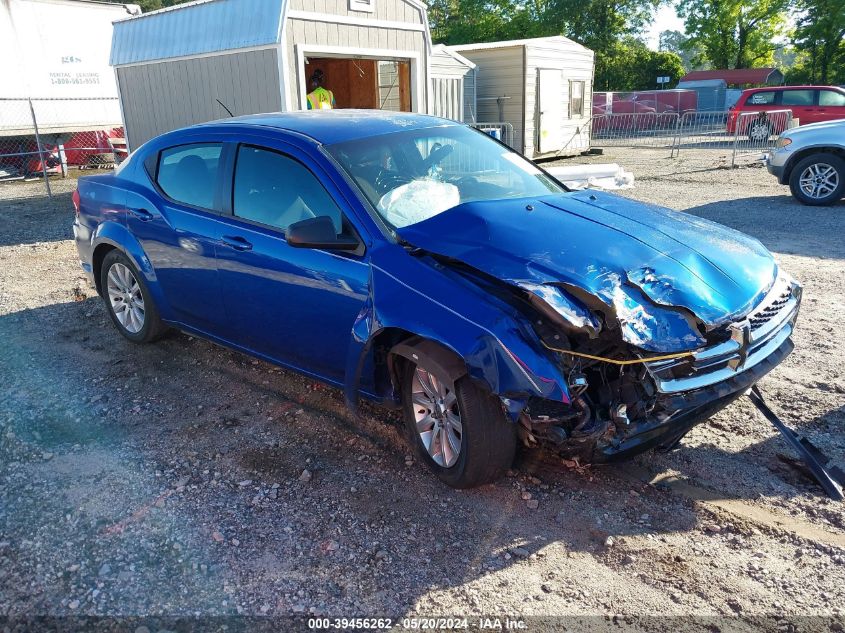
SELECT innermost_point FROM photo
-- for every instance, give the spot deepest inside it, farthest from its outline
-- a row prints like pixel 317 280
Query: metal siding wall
pixel 470 105
pixel 499 73
pixel 163 96
pixel 347 35
pixel 576 62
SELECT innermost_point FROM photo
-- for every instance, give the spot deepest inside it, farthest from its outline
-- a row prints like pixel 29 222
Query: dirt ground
pixel 171 479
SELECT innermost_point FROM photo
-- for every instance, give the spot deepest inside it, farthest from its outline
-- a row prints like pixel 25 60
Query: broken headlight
pixel 557 306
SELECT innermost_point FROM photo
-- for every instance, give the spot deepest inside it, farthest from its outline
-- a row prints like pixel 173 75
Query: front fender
pixel 495 342
pixel 117 235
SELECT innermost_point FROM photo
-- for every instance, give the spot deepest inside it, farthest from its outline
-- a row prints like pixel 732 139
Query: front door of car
pixel 801 101
pixel 175 219
pixel 295 305
pixel 831 104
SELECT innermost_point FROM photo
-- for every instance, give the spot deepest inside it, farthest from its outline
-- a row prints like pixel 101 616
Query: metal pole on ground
pixel 41 156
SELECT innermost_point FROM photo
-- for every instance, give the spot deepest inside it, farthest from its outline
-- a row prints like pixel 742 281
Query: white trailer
pixel 542 86
pixel 56 52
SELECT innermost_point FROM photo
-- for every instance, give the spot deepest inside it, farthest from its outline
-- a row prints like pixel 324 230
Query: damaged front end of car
pixel 629 396
pixel 653 321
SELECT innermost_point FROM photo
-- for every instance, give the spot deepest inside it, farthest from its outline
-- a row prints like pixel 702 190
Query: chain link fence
pixel 46 143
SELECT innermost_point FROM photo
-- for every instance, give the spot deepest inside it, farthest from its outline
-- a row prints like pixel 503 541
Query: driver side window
pixel 277 190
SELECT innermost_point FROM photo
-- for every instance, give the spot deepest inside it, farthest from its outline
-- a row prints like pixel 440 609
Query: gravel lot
pixel 185 479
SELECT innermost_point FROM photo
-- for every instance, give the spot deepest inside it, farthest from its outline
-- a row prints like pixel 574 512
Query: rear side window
pixel 190 173
pixel 831 98
pixel 761 98
pixel 797 97
pixel 278 190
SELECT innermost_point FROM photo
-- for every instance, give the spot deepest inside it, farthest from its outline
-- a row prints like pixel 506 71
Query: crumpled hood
pixel 600 243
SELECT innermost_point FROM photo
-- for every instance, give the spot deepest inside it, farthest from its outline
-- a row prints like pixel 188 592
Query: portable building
pixel 452 81
pixel 194 62
pixel 56 53
pixel 542 87
pixel 711 93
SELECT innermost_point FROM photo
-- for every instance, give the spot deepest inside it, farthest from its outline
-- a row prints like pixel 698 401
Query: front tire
pixel 457 428
pixel 818 179
pixel 128 300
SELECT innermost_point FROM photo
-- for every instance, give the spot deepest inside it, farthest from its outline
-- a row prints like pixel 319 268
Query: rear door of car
pixel 295 305
pixel 176 220
pixel 831 104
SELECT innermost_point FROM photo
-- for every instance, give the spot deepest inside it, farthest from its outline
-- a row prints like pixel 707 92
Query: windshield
pixel 412 176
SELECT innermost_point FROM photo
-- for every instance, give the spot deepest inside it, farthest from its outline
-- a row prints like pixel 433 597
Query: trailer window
pixel 576 98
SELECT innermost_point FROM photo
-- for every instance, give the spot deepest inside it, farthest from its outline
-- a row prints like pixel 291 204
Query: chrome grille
pixel 761 317
pixel 766 328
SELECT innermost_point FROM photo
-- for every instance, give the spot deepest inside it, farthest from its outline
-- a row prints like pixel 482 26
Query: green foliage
pixel 819 42
pixel 734 33
pixel 633 66
pixel 678 43
pixel 150 5
pixel 622 61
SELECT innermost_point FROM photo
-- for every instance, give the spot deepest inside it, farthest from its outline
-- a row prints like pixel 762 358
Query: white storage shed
pixel 451 92
pixel 543 87
pixel 183 64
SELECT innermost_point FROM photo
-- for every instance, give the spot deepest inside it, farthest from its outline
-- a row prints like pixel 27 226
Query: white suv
pixel 811 160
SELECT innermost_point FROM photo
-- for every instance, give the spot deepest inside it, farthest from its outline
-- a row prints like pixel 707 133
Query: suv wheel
pixel 457 428
pixel 818 179
pixel 128 300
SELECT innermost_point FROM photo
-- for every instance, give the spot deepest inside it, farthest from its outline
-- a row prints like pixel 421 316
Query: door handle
pixel 237 242
pixel 142 214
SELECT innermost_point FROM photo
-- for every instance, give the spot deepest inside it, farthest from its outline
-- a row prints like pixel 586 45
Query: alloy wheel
pixel 125 298
pixel 438 417
pixel 818 180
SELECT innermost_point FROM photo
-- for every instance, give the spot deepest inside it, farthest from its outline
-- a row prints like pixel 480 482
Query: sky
pixel 664 20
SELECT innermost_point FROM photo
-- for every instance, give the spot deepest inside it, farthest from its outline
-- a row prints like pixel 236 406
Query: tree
pixel 819 41
pixel 634 66
pixel 678 43
pixel 602 25
pixel 734 33
pixel 151 5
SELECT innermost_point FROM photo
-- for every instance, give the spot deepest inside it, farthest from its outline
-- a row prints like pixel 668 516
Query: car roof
pixel 336 126
pixel 768 88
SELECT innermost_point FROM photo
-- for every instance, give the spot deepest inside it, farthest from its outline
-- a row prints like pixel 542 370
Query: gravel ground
pixel 185 479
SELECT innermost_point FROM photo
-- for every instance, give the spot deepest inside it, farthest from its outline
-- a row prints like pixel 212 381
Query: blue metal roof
pixel 337 126
pixel 208 26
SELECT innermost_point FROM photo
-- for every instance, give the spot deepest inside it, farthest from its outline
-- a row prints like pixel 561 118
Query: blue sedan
pixel 421 264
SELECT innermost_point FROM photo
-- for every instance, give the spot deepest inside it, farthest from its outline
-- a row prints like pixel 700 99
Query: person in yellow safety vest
pixel 319 98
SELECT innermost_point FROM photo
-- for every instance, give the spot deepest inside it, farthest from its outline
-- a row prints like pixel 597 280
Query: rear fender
pixel 117 235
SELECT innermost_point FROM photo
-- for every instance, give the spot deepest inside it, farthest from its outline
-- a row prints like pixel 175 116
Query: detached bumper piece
pixel 831 478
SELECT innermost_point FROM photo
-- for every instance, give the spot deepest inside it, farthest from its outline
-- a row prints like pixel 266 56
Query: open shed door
pixel 550 110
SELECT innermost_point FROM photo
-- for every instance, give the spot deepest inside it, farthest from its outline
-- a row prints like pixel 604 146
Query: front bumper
pixel 776 163
pixel 683 411
pixel 691 390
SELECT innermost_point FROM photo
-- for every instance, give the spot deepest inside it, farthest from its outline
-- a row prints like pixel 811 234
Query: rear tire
pixel 128 300
pixel 486 440
pixel 818 180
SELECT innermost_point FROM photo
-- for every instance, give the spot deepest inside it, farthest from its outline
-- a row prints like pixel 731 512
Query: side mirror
pixel 320 233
